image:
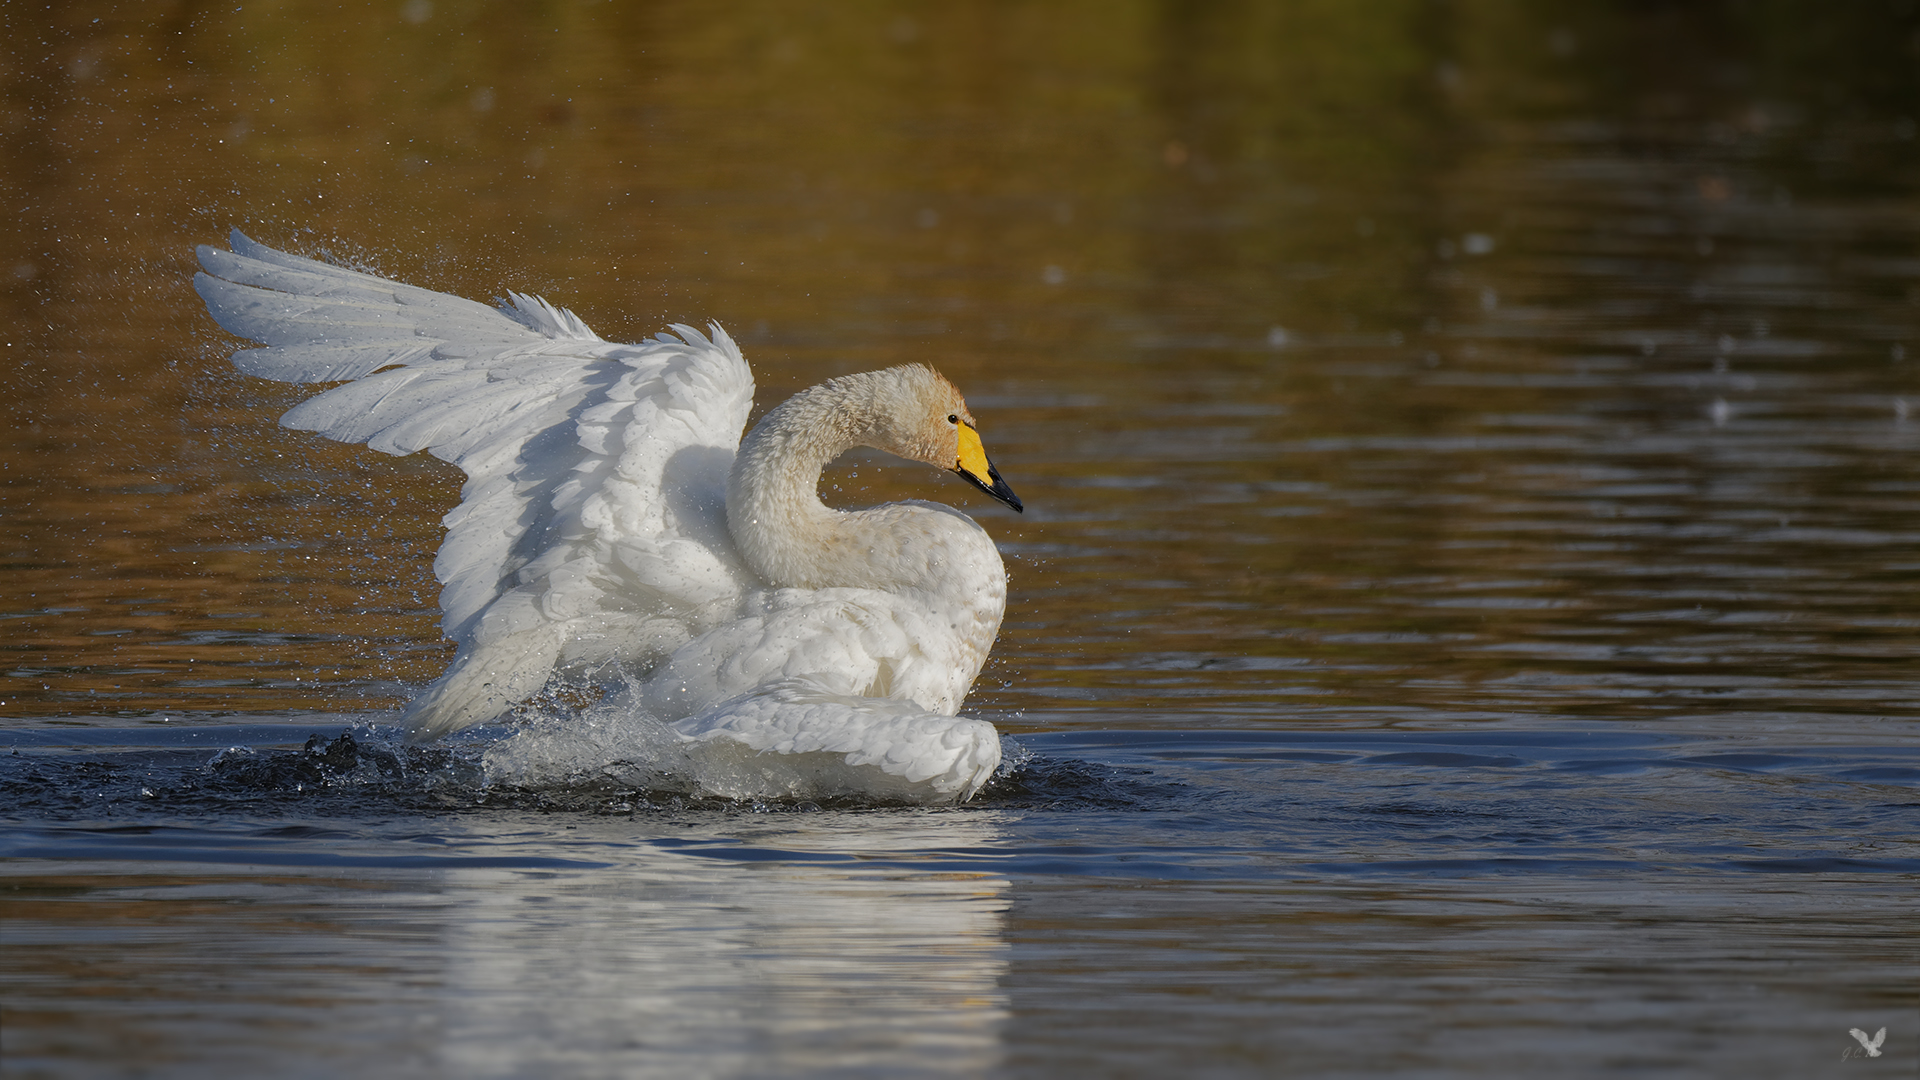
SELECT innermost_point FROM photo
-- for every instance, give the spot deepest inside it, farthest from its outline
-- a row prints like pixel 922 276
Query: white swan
pixel 614 522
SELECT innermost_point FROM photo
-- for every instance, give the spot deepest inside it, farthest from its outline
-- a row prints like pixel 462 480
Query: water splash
pixel 613 742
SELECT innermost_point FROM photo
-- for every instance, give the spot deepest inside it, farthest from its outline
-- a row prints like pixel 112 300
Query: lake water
pixel 1463 622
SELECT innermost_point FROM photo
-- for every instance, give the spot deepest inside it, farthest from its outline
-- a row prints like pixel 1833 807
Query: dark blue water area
pixel 1274 805
pixel 312 896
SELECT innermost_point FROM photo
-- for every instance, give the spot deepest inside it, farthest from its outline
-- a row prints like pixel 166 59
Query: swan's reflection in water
pixel 690 964
pixel 513 945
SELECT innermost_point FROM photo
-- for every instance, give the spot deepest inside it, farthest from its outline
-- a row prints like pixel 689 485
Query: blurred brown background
pixel 1318 337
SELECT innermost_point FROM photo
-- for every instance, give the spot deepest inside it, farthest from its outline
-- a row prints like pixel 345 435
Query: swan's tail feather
pixel 508 660
pixel 479 686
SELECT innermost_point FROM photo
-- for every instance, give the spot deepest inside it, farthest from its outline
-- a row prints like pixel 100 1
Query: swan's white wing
pixel 593 522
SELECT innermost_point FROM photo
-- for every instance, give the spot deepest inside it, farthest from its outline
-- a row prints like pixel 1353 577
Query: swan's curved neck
pixel 774 511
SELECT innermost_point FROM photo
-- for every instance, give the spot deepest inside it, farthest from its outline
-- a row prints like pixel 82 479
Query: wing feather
pixel 592 526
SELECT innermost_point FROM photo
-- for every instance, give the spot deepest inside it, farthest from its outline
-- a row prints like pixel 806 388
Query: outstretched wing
pixel 592 526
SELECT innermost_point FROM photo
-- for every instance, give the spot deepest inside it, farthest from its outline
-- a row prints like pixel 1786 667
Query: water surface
pixel 1462 624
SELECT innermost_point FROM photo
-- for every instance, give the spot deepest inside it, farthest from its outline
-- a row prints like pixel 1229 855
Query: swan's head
pixel 917 414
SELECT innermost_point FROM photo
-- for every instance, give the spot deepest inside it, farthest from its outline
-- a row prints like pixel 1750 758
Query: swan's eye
pixel 953 418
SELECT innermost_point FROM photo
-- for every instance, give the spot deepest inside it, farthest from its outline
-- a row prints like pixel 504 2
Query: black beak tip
pixel 998 489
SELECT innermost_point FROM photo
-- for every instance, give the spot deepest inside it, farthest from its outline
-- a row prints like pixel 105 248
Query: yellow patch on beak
pixel 974 467
pixel 973 456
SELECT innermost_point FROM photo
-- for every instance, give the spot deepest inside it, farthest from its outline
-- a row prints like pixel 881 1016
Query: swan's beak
pixel 975 469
